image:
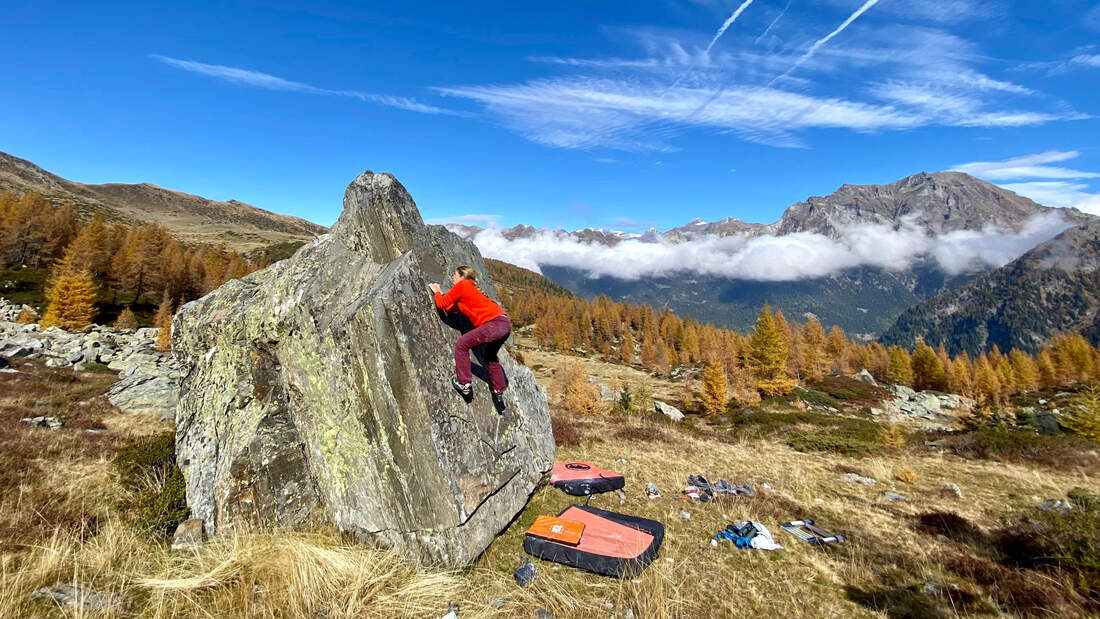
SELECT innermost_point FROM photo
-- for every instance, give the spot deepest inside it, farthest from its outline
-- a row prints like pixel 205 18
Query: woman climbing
pixel 491 328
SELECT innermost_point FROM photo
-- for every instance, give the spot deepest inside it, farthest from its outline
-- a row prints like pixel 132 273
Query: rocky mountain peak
pixel 934 202
pixel 379 217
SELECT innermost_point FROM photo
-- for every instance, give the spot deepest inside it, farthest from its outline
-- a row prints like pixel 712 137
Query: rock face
pixel 318 389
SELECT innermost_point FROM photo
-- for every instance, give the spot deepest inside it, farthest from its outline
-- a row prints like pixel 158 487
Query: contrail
pixel 774 22
pixel 822 41
pixel 727 24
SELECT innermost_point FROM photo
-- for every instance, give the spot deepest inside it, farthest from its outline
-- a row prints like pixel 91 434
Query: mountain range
pixel 190 219
pixel 865 299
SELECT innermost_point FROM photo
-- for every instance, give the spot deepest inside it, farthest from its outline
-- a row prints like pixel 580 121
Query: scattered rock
pixel 189 536
pixel 865 376
pixel 686 515
pixel 622 497
pixel 52 423
pixel 78 599
pixel 668 410
pixel 953 490
pixel 318 389
pixel 893 496
pixel 628 613
pixel 931 589
pixel 542 613
pixel 1056 505
pixel 1047 421
pixel 605 394
pixel 497 603
pixel 855 478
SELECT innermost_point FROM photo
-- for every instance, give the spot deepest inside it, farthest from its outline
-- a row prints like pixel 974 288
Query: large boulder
pixel 318 389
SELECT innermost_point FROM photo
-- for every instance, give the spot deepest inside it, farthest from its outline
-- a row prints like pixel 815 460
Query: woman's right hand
pixel 435 288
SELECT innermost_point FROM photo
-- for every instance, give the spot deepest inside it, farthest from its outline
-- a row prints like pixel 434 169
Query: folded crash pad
pixel 557 529
pixel 611 544
pixel 582 479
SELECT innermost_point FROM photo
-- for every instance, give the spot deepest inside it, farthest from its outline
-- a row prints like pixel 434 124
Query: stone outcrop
pixel 318 389
pixel 941 408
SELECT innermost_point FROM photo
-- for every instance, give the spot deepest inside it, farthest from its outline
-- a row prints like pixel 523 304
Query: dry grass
pixel 893 548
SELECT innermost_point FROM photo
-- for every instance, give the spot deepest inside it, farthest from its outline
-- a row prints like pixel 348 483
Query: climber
pixel 491 328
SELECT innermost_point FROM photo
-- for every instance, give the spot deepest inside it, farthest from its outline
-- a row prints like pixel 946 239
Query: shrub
pixel 1004 443
pixel 948 524
pixel 1082 415
pixel 1084 499
pixel 1063 544
pixel 817 398
pixel 147 468
pixel 578 395
pixel 893 437
pixel 832 443
pixel 565 433
pixel 906 475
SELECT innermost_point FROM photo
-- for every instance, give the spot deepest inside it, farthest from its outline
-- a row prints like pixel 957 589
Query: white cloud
pixel 790 257
pixel 257 79
pixel 1030 166
pixel 1086 60
pixel 473 219
pixel 1059 193
pixel 877 77
pixel 1030 169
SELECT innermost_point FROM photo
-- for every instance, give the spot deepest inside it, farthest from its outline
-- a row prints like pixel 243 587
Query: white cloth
pixel 763 539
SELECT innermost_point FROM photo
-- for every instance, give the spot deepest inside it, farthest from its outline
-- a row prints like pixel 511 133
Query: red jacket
pixel 473 303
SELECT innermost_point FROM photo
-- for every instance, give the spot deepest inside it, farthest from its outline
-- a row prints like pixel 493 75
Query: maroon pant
pixel 492 335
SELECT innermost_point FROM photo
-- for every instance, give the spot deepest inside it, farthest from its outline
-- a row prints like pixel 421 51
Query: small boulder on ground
pixel 78 599
pixel 189 536
pixel 856 478
pixel 668 410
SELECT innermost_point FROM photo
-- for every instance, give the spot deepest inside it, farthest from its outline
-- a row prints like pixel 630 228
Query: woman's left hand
pixel 435 288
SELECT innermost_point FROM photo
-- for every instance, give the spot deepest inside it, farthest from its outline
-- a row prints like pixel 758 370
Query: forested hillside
pixel 121 266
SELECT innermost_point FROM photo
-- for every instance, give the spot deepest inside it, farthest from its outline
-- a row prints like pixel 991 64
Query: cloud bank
pixel 792 257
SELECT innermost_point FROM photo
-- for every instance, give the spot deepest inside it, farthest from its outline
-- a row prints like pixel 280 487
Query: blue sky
pixel 572 113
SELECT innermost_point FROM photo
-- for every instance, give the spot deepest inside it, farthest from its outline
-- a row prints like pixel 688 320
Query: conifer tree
pixel 1082 416
pixel 1024 370
pixel 987 385
pixel 27 316
pixel 958 377
pixel 126 319
pixel 768 356
pixel 163 322
pixel 715 394
pixel 900 371
pixel 928 372
pixel 1048 373
pixel 837 347
pixel 813 349
pixel 626 349
pixel 71 300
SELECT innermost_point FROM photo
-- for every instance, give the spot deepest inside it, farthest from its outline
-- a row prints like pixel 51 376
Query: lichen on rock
pixel 317 390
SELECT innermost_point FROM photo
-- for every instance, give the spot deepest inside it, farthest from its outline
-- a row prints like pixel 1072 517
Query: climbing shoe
pixel 498 402
pixel 466 390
